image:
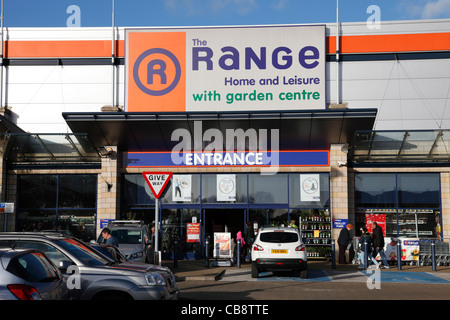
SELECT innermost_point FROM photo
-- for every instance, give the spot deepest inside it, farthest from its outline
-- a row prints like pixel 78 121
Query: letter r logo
pixel 156 71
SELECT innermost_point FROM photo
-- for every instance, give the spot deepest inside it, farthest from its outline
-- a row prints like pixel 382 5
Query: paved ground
pixel 351 290
pixel 190 270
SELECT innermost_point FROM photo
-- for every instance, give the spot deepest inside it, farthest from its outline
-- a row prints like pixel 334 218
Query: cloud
pixel 437 9
pixel 429 9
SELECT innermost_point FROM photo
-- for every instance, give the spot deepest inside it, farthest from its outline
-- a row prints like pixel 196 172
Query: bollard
pixel 207 253
pixel 433 255
pixel 399 254
pixel 333 255
pixel 238 253
pixel 366 254
pixel 175 258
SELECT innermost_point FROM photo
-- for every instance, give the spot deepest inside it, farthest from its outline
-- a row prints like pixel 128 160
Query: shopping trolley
pixel 442 253
pixel 425 253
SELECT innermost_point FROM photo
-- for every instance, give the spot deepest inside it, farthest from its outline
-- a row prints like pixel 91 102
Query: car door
pixel 75 285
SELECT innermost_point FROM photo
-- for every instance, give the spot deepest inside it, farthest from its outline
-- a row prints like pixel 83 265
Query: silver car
pixel 30 275
pixel 93 276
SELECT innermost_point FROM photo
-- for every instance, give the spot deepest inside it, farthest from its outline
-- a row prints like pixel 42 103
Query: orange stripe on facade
pixel 391 43
pixel 349 44
pixel 62 49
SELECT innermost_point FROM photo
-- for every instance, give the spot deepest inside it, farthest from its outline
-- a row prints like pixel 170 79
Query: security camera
pixel 342 164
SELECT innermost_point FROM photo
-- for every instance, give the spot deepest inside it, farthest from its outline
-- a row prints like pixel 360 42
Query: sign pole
pixel 156 255
pixel 157 181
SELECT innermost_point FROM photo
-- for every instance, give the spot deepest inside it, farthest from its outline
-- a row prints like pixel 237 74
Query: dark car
pixel 94 276
pixel 30 275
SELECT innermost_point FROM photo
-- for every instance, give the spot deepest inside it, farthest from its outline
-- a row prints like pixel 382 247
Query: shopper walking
pixel 378 244
pixel 366 250
pixel 344 240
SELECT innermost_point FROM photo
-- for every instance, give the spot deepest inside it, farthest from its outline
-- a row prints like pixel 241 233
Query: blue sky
pixel 95 13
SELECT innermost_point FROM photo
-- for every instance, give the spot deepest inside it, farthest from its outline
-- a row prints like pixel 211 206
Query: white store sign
pixel 226 68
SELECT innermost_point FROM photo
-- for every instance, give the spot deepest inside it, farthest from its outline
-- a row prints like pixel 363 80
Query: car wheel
pixel 303 274
pixel 255 271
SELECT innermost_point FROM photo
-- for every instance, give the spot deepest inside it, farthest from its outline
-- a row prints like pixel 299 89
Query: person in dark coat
pixel 378 244
pixel 343 241
pixel 366 256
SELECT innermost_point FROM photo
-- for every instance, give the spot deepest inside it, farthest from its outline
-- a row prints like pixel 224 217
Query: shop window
pixel 37 191
pixel 210 188
pixel 57 202
pixel 413 204
pixel 418 190
pixel 135 191
pixel 182 188
pixel 375 190
pixel 304 199
pixel 268 189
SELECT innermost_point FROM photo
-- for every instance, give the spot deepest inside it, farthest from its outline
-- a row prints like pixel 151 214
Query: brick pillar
pixel 108 200
pixel 339 191
pixel 445 199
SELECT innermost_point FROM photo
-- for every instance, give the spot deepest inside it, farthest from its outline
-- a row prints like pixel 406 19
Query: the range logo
pixel 156 78
pixel 156 72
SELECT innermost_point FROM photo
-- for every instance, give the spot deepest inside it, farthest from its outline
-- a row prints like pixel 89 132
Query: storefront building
pixel 255 127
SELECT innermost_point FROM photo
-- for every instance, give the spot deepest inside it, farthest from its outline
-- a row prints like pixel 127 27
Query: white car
pixel 279 249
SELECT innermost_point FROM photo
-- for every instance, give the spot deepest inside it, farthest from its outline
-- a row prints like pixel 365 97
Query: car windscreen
pixel 278 237
pixel 128 236
pixel 33 267
pixel 84 253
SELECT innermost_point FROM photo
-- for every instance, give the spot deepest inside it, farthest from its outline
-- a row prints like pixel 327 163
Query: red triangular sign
pixel 157 181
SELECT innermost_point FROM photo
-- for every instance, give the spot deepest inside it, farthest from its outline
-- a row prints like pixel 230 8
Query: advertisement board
pixel 225 68
pixel 222 245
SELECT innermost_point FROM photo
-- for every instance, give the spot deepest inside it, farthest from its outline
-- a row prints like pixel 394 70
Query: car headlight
pixel 155 279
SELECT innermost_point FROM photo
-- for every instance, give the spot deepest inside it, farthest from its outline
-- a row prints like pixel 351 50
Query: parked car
pixel 110 251
pixel 279 248
pixel 92 275
pixel 30 275
pixel 134 238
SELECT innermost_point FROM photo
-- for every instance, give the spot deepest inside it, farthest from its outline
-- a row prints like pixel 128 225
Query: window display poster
pixel 309 187
pixel 181 189
pixel 380 219
pixel 193 232
pixel 226 187
pixel 222 245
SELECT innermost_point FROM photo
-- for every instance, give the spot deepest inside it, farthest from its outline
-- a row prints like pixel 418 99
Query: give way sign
pixel 157 181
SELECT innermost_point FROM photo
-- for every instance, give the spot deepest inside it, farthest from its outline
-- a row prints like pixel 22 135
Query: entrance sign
pixel 157 181
pixel 225 68
pixel 296 158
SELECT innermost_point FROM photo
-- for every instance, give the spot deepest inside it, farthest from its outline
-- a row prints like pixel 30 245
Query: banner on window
pixel 182 186
pixel 193 232
pixel 309 187
pixel 226 187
